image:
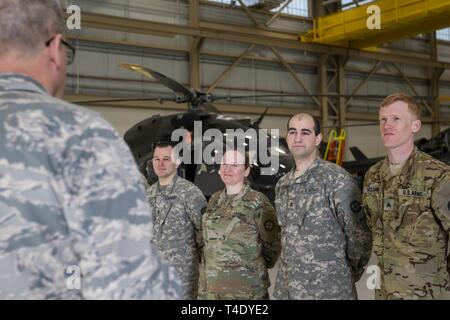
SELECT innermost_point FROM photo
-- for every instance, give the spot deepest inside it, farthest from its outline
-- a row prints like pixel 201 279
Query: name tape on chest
pixel 373 188
pixel 165 198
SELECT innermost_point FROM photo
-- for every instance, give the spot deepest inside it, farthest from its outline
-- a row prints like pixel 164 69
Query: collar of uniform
pixel 239 196
pixel 19 82
pixel 167 189
pixel 306 174
pixel 406 169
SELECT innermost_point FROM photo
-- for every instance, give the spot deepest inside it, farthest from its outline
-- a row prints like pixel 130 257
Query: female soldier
pixel 241 236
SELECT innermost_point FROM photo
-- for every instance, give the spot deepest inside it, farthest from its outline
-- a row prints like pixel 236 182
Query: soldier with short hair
pixel 177 214
pixel 74 221
pixel 407 197
pixel 325 239
pixel 241 236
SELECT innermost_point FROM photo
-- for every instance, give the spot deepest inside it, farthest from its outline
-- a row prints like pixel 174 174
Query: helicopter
pixel 201 116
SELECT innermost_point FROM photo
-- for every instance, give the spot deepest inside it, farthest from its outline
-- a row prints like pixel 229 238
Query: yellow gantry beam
pixel 398 19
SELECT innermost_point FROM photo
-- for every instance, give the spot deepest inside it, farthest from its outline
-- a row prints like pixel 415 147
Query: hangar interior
pixel 241 47
pixel 250 47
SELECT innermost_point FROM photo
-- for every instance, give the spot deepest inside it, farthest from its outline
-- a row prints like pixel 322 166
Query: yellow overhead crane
pixel 355 28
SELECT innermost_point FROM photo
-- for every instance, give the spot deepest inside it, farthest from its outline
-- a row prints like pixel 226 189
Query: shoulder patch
pixel 269 225
pixel 355 206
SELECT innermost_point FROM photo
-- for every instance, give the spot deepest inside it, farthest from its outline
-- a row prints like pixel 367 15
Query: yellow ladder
pixel 335 147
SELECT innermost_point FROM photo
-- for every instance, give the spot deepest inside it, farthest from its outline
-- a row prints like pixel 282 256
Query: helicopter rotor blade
pixel 169 83
pixel 229 98
pixel 368 124
pixel 208 107
pixel 94 101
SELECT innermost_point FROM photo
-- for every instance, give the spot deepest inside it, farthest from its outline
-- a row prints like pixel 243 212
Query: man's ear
pixel 54 51
pixel 416 125
pixel 318 139
pixel 177 163
pixel 247 172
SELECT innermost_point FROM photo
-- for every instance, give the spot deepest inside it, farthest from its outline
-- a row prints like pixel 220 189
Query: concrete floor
pixel 363 292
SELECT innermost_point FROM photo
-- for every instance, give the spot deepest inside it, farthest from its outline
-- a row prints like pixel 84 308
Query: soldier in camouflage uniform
pixel 177 214
pixel 241 235
pixel 325 240
pixel 407 196
pixel 74 222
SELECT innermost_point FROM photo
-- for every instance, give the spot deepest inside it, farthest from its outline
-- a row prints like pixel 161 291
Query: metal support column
pixel 434 91
pixel 435 75
pixel 323 80
pixel 194 53
pixel 342 61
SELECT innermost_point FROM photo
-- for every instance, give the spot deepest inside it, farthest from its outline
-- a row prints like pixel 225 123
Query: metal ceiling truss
pixel 331 66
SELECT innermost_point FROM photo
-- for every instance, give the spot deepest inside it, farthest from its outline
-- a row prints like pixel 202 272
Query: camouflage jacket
pixel 325 239
pixel 409 215
pixel 241 235
pixel 177 215
pixel 74 222
pixel 146 187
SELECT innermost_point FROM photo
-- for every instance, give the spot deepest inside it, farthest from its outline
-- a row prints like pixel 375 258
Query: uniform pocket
pixel 233 223
pixel 242 231
pixel 424 233
pixel 209 227
pixel 408 211
pixel 377 235
pixel 416 223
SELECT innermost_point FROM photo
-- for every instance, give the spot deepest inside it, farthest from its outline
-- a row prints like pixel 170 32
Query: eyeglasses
pixel 70 49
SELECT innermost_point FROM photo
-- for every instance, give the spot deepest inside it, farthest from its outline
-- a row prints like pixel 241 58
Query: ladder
pixel 335 147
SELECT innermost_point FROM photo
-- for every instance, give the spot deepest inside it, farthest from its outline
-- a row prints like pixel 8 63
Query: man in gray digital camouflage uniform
pixel 325 239
pixel 74 221
pixel 407 200
pixel 177 218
